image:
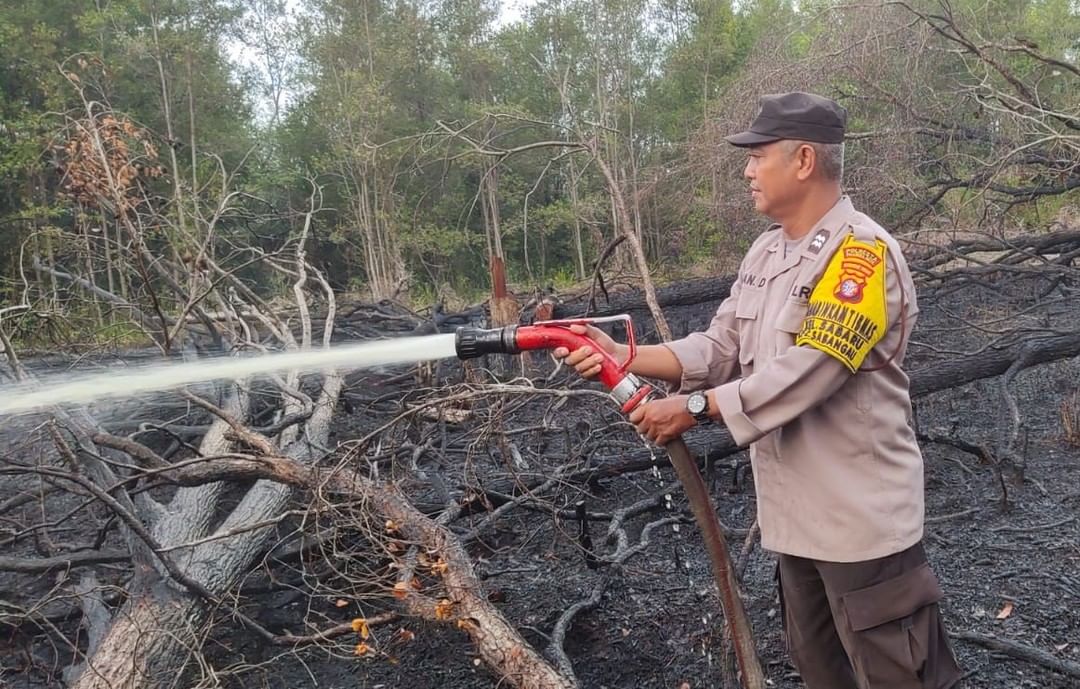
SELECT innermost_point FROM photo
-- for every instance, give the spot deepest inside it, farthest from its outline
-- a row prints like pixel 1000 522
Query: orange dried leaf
pixel 401 590
pixel 405 635
pixel 362 649
pixel 1005 611
pixel 391 526
pixel 439 567
pixel 444 609
pixel 359 625
pixel 417 584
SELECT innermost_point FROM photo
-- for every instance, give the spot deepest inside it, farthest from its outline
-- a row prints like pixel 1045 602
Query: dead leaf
pixel 401 590
pixel 439 567
pixel 684 685
pixel 362 649
pixel 405 635
pixel 360 626
pixel 1005 611
pixel 444 609
pixel 341 602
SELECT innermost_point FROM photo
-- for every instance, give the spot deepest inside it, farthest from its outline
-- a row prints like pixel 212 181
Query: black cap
pixel 802 116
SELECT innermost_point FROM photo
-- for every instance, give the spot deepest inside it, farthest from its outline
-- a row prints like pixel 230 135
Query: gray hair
pixel 830 157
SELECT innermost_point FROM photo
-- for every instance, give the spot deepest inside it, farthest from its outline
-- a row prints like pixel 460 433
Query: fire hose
pixel 630 392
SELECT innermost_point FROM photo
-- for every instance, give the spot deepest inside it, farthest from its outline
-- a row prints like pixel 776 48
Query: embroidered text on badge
pixel 847 313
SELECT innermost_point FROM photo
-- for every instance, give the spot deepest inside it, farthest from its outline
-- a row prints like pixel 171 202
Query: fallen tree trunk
pixel 1012 249
pixel 994 362
pixel 689 292
pixel 157 632
pixel 921 260
pixel 1021 651
pixel 497 642
pixel 168 622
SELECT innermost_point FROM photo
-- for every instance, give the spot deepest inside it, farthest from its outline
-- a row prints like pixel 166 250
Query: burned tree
pixel 197 504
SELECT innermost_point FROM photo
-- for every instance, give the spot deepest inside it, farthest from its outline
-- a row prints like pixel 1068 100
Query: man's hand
pixel 585 359
pixel 662 420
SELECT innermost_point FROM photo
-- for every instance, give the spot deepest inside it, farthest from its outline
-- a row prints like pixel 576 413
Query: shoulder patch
pixel 847 313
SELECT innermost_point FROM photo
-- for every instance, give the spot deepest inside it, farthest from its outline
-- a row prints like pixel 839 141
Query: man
pixel 803 363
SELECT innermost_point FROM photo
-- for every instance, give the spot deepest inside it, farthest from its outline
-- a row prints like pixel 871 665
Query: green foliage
pixel 376 88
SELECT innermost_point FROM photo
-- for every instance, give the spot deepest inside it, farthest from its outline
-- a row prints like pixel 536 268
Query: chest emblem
pixel 858 264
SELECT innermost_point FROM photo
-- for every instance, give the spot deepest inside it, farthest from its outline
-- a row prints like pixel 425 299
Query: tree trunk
pixel 148 644
pixel 578 246
pixel 150 639
pixel 627 229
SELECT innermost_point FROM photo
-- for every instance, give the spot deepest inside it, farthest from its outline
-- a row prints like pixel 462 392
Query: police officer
pixel 803 363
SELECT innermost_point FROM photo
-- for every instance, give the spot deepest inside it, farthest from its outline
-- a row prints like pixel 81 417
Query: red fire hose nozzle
pixel 625 387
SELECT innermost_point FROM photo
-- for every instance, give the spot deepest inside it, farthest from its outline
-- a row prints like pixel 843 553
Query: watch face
pixel 696 403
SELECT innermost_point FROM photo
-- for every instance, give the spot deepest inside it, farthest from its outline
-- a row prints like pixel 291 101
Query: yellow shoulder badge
pixel 847 314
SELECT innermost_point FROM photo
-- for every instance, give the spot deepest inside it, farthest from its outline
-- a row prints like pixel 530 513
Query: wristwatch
pixel 698 406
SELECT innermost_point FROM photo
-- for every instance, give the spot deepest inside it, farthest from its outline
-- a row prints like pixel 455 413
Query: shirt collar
pixel 813 242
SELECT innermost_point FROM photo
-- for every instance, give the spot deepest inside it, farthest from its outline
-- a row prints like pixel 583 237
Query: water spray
pixel 467 343
pixel 630 392
pixel 128 382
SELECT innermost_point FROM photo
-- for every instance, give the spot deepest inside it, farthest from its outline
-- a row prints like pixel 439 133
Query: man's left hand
pixel 662 420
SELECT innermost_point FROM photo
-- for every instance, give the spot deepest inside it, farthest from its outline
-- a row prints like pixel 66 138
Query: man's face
pixel 772 173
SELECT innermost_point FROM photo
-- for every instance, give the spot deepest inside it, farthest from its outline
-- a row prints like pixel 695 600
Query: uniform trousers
pixel 866 625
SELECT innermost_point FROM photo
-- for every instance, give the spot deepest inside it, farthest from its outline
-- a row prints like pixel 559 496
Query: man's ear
pixel 806 161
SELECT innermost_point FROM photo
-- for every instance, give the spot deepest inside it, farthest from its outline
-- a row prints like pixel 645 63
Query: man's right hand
pixel 585 359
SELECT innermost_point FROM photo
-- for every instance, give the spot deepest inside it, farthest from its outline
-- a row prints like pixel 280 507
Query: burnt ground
pixel 658 623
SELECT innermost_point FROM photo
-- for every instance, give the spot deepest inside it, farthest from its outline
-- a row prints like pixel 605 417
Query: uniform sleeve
pixel 710 358
pixel 807 375
pixel 787 386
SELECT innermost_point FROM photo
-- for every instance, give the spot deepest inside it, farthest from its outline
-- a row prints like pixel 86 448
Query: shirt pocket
pixel 788 322
pixel 747 311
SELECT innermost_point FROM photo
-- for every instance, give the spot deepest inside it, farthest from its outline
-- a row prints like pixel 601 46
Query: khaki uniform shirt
pixel 837 470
